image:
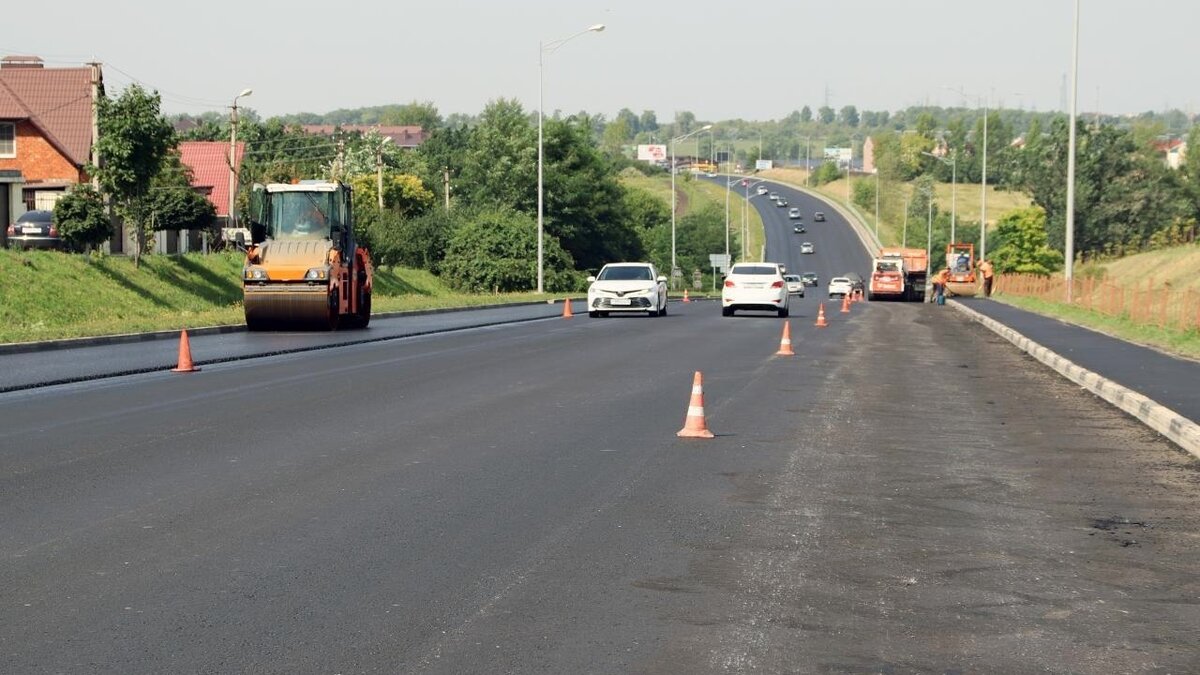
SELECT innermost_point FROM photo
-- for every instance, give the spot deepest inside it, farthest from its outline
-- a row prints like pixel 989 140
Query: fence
pixel 1143 303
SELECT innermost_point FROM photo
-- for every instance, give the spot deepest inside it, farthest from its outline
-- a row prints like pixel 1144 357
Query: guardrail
pixel 1143 303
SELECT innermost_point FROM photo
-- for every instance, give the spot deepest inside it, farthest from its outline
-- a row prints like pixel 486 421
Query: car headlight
pixel 317 274
pixel 254 274
pixel 644 291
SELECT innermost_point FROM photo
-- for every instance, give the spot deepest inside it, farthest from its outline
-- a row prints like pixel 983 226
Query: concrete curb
pixel 1178 429
pixel 127 338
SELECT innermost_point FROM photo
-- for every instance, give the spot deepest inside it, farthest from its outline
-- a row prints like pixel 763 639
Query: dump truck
pixel 303 267
pixel 898 274
pixel 960 260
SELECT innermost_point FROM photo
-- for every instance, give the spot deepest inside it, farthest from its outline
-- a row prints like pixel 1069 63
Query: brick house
pixel 402 136
pixel 46 131
pixel 209 164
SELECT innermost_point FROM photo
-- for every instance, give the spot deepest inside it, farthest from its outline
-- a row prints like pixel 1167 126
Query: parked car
pixel 819 216
pixel 799 229
pixel 794 213
pixel 34 229
pixel 755 286
pixel 810 278
pixel 795 285
pixel 627 287
pixel 807 247
pixel 839 287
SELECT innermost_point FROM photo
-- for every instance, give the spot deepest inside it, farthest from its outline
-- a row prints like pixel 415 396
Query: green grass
pixel 49 295
pixel 1182 343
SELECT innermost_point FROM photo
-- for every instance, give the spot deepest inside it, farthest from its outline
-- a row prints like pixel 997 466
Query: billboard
pixel 842 155
pixel 760 164
pixel 652 153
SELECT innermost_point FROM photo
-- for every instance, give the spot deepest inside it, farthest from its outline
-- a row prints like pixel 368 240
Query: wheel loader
pixel 303 268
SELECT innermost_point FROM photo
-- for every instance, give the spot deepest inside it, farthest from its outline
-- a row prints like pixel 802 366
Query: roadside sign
pixel 718 260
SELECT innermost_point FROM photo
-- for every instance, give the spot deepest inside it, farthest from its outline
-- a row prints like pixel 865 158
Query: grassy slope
pixel 698 194
pixel 47 295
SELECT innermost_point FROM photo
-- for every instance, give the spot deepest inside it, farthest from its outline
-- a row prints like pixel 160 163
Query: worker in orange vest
pixel 939 286
pixel 985 268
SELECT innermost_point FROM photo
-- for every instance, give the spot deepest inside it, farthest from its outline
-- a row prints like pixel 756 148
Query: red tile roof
pixel 209 162
pixel 402 136
pixel 58 101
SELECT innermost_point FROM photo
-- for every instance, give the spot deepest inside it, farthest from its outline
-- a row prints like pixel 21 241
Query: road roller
pixel 960 260
pixel 304 270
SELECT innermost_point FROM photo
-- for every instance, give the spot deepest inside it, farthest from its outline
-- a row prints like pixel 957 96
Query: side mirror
pixel 661 279
pixel 240 240
pixel 591 279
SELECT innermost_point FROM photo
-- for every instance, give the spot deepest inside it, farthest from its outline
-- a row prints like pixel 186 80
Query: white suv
pixel 756 286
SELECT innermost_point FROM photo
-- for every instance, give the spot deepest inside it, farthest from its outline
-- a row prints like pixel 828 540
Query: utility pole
pixel 446 185
pixel 379 174
pixel 96 79
pixel 338 161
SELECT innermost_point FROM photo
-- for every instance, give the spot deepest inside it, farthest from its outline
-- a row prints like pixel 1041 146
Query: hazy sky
pixel 720 60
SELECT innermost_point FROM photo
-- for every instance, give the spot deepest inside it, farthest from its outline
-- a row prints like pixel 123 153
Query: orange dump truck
pixel 898 274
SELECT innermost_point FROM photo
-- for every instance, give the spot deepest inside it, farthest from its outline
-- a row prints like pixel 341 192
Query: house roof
pixel 402 136
pixel 209 162
pixel 58 101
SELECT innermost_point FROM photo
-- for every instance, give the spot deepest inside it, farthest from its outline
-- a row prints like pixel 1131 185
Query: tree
pixel 806 114
pixel 497 252
pixel 849 116
pixel 500 164
pixel 82 221
pixel 633 124
pixel 133 141
pixel 1021 245
pixel 174 204
pixel 616 134
pixel 826 115
pixel 423 114
pixel 648 122
pixel 684 121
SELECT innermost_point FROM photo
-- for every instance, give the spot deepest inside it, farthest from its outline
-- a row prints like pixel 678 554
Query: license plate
pixel 31 229
pixel 621 301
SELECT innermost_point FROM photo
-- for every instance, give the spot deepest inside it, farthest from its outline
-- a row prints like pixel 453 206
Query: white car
pixel 756 286
pixel 627 287
pixel 795 285
pixel 762 189
pixel 807 247
pixel 840 287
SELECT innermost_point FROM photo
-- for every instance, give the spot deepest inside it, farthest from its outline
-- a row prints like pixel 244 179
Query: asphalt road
pixel 907 494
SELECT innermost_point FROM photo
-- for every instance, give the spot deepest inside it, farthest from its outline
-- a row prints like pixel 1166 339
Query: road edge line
pixel 1175 427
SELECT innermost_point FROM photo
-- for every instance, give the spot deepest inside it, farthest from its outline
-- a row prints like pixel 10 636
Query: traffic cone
pixel 785 343
pixel 185 356
pixel 567 309
pixel 846 304
pixel 694 426
pixel 685 296
pixel 821 323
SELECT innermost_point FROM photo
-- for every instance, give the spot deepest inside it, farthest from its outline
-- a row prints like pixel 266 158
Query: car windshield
pixel 303 215
pixel 755 270
pixel 625 274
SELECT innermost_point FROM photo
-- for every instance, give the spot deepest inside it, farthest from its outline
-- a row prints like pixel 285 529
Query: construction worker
pixel 939 285
pixel 985 268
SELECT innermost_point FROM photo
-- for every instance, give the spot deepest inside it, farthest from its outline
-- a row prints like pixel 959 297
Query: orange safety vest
pixel 986 268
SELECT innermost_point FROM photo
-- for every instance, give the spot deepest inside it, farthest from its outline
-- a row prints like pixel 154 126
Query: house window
pixel 8 139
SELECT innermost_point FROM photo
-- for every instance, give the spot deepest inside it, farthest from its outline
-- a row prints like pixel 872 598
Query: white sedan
pixel 627 287
pixel 795 285
pixel 807 247
pixel 757 286
pixel 840 287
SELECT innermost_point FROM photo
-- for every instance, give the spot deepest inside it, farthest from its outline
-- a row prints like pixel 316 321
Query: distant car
pixel 795 285
pixel 839 287
pixel 794 213
pixel 762 190
pixel 755 286
pixel 34 229
pixel 773 196
pixel 799 229
pixel 627 287
pixel 810 278
pixel 807 247
pixel 819 216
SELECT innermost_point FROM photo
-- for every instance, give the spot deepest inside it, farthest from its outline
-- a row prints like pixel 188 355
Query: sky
pixel 719 60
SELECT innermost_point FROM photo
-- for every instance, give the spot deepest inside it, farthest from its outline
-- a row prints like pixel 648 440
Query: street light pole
pixel 672 143
pixel 233 124
pixel 1070 233
pixel 543 49
pixel 953 162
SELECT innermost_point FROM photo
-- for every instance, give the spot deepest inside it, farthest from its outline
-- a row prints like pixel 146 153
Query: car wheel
pixel 594 315
pixel 783 312
pixel 663 311
pixel 726 311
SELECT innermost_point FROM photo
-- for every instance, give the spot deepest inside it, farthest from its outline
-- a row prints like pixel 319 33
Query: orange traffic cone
pixel 567 309
pixel 785 343
pixel 846 304
pixel 821 323
pixel 685 296
pixel 185 356
pixel 694 426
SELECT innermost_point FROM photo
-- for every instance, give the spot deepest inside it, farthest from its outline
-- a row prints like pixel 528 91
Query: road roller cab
pixel 303 267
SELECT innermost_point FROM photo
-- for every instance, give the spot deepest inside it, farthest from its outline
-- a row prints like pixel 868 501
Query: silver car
pixel 795 285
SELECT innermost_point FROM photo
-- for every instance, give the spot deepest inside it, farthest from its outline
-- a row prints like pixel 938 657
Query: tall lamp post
pixel 673 141
pixel 233 125
pixel 953 162
pixel 543 49
pixel 983 181
pixel 1069 245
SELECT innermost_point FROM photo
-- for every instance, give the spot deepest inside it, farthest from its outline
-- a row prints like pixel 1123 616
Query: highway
pixel 908 493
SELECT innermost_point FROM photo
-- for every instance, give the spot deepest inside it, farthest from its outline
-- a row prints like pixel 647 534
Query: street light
pixel 672 143
pixel 953 162
pixel 1070 230
pixel 233 124
pixel 746 214
pixel 983 181
pixel 543 49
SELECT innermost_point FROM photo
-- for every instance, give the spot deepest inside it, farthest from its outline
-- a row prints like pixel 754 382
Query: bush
pixel 495 250
pixel 81 218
